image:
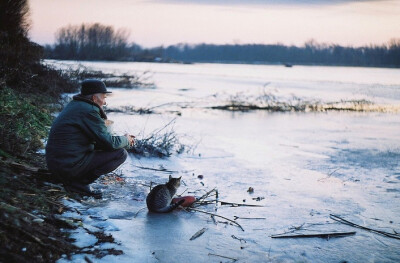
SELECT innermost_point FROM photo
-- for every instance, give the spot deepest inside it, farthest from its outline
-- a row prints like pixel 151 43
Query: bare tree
pixel 16 51
pixel 14 18
pixel 91 41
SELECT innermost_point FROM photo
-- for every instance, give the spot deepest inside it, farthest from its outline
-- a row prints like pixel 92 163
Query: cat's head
pixel 176 182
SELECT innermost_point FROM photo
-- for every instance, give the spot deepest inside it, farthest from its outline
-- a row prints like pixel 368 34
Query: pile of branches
pixel 123 80
pixel 270 102
pixel 161 143
pixel 265 101
pixel 131 110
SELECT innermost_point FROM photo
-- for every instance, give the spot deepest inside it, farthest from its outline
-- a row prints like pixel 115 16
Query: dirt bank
pixel 30 202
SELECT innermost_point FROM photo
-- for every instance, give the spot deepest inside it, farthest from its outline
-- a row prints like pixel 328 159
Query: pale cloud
pixel 261 2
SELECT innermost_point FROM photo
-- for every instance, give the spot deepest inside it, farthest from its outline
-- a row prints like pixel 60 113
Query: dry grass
pixel 271 102
pixel 114 80
pixel 161 143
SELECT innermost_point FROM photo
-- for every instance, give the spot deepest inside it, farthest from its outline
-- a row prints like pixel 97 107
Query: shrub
pixel 22 123
pixel 160 143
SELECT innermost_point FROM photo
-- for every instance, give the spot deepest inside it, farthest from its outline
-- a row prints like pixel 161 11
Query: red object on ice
pixel 188 200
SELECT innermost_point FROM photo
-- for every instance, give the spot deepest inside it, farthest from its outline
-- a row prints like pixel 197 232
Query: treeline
pixel 96 42
pixel 18 56
pixel 311 53
pixel 101 42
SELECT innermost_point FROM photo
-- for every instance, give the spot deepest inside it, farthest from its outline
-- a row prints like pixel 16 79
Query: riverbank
pixel 30 230
pixel 31 202
pixel 31 205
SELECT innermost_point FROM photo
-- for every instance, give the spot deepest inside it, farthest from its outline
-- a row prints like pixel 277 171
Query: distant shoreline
pixel 288 65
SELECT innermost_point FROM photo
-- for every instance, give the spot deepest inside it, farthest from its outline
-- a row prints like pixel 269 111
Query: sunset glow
pixel 153 23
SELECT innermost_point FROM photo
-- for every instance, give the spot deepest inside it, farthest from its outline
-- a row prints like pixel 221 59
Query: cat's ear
pixel 180 178
pixel 170 177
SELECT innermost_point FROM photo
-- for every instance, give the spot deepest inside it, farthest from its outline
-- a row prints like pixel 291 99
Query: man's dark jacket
pixel 75 134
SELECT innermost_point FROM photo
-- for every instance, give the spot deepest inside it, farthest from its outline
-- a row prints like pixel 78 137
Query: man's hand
pixel 131 139
pixel 108 122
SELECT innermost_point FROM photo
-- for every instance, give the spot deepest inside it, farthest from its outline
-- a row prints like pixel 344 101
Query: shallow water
pixel 306 166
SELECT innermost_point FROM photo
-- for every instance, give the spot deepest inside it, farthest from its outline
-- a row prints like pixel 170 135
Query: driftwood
pixel 320 235
pixel 235 204
pixel 198 233
pixel 154 169
pixel 211 254
pixel 256 218
pixel 383 233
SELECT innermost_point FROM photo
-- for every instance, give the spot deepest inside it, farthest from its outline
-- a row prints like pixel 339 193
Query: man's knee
pixel 123 155
pixel 120 157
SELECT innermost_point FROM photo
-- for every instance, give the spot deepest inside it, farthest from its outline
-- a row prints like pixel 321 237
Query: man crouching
pixel 80 148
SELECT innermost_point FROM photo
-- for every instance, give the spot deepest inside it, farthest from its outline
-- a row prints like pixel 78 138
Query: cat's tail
pixel 170 207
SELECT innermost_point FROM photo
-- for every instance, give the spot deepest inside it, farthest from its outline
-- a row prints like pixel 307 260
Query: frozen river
pixel 303 166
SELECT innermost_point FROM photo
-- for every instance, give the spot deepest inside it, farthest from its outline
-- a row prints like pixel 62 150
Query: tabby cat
pixel 160 197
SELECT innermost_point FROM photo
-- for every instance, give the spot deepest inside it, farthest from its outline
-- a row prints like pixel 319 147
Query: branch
pixel 321 235
pixel 208 213
pixel 205 195
pixel 211 254
pixel 154 169
pixel 383 233
pixel 235 204
pixel 198 233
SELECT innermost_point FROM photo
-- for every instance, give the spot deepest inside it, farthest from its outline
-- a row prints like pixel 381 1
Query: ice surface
pixel 302 166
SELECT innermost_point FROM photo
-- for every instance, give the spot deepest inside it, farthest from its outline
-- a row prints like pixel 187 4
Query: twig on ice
pixel 154 169
pixel 383 233
pixel 240 239
pixel 235 204
pixel 205 195
pixel 208 213
pixel 198 233
pixel 211 254
pixel 237 217
pixel 139 211
pixel 321 235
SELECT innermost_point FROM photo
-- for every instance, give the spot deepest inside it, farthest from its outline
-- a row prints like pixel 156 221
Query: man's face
pixel 100 99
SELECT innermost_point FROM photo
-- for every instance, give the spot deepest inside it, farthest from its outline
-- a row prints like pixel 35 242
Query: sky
pixel 154 23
